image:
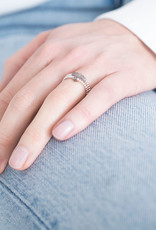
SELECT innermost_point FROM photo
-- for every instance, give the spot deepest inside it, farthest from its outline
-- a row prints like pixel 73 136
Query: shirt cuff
pixel 139 16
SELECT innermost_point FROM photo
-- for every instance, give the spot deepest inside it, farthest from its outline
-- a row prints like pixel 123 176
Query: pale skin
pixel 34 100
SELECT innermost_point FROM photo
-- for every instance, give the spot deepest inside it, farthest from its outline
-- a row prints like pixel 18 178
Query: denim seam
pixel 11 193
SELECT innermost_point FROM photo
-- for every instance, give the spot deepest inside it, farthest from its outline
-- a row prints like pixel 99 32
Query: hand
pixel 34 100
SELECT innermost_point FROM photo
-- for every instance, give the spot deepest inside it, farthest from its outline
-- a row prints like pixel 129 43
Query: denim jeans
pixel 103 178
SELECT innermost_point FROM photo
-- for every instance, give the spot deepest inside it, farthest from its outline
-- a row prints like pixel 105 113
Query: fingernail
pixel 63 129
pixel 18 157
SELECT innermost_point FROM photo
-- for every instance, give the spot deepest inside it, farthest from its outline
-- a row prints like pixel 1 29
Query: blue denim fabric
pixel 103 178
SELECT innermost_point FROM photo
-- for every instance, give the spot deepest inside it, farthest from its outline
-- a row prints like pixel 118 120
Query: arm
pixel 36 105
pixel 139 16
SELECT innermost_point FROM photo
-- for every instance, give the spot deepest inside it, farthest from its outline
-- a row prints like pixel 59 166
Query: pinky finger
pixel 106 93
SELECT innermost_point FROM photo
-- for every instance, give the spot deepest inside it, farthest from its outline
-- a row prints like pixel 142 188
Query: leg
pixel 103 178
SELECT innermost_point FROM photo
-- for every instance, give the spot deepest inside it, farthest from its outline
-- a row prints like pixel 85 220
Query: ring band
pixel 79 77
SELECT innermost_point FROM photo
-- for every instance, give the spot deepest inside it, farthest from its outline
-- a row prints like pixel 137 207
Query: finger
pixel 36 63
pixel 38 133
pixel 15 62
pixel 28 100
pixel 60 65
pixel 58 102
pixel 105 94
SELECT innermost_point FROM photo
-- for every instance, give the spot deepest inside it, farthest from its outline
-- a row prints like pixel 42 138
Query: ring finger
pixel 27 101
pixel 60 101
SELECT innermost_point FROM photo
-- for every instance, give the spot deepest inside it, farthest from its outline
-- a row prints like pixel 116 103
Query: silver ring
pixel 79 77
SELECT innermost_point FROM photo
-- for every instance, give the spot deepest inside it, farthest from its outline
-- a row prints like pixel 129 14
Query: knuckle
pixel 40 52
pixel 63 31
pixel 58 31
pixel 105 59
pixel 22 100
pixel 5 98
pixel 42 34
pixel 47 48
pixel 110 92
pixel 56 99
pixel 13 62
pixel 53 46
pixel 34 135
pixel 77 52
pixel 5 140
pixel 3 103
pixel 86 116
pixel 100 57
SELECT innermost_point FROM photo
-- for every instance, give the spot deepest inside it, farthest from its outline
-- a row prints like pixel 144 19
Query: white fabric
pixel 8 6
pixel 139 16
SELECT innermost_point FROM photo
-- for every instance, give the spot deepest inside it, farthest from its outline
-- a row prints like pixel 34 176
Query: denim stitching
pixel 17 197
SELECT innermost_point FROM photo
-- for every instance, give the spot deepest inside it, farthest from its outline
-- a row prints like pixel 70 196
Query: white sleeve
pixel 139 16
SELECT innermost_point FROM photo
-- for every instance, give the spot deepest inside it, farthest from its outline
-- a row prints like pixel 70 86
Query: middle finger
pixel 27 101
pixel 57 104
